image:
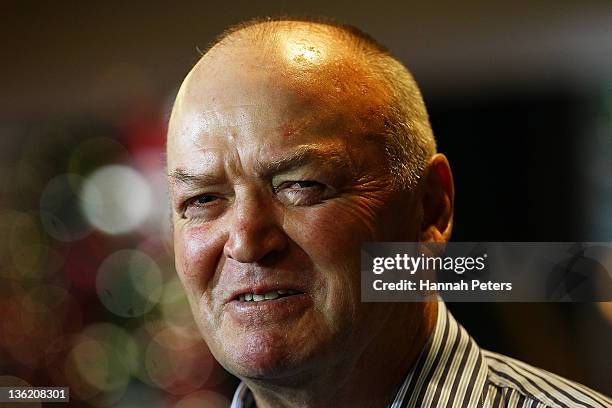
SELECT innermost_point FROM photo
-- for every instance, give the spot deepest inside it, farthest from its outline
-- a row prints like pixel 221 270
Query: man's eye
pixel 302 192
pixel 203 206
pixel 306 184
pixel 300 185
pixel 204 199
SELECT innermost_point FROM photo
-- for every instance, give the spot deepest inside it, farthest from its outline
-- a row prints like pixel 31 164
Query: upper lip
pixel 263 288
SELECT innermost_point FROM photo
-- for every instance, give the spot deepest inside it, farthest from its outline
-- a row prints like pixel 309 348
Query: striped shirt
pixel 452 371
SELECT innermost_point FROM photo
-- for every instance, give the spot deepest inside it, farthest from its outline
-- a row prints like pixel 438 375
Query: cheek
pixel 197 250
pixel 332 237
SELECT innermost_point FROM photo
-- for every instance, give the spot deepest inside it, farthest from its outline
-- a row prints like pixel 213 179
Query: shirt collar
pixel 450 366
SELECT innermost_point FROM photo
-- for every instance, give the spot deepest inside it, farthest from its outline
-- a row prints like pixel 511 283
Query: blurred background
pixel 520 99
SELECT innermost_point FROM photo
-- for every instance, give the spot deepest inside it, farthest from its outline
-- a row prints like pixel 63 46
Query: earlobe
pixel 437 201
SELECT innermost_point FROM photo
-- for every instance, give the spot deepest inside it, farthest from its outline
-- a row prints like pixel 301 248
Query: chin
pixel 262 356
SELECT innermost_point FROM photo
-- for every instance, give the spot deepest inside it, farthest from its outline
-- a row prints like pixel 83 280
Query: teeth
pixel 275 294
pixel 271 295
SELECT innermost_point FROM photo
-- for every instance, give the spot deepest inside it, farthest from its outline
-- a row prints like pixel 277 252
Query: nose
pixel 254 231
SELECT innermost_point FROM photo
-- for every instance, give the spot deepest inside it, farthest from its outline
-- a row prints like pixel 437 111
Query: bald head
pixel 346 64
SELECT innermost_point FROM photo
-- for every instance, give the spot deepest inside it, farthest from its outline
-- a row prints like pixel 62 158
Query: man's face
pixel 278 174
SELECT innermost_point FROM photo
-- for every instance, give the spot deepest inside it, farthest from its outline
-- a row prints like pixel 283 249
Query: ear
pixel 437 200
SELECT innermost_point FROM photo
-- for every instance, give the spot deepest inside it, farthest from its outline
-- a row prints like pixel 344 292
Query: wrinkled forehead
pixel 298 83
pixel 237 88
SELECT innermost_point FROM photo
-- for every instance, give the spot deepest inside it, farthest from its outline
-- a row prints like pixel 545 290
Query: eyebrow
pixel 303 155
pixel 187 178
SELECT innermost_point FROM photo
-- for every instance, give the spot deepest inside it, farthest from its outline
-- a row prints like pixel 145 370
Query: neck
pixel 369 379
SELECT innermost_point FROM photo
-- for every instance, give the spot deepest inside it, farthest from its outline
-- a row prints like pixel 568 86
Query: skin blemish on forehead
pixel 288 130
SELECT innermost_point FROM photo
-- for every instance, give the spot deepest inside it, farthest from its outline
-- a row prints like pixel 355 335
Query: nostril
pixel 256 245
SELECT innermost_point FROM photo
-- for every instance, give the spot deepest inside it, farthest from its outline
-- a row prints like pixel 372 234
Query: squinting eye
pixel 305 184
pixel 302 192
pixel 205 206
pixel 300 185
pixel 204 199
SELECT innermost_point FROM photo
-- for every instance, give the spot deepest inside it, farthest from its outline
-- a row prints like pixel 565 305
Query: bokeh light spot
pixel 123 348
pixel 116 199
pixel 92 362
pixel 129 283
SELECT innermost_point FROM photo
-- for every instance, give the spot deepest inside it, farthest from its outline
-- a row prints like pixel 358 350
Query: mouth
pixel 258 307
pixel 267 296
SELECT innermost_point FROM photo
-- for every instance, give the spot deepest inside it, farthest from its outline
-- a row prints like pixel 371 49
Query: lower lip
pixel 269 311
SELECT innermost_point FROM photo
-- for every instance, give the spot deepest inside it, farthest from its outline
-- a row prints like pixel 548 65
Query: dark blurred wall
pixel 93 57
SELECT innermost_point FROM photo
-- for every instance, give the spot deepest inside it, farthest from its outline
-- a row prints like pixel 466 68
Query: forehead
pixel 299 90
